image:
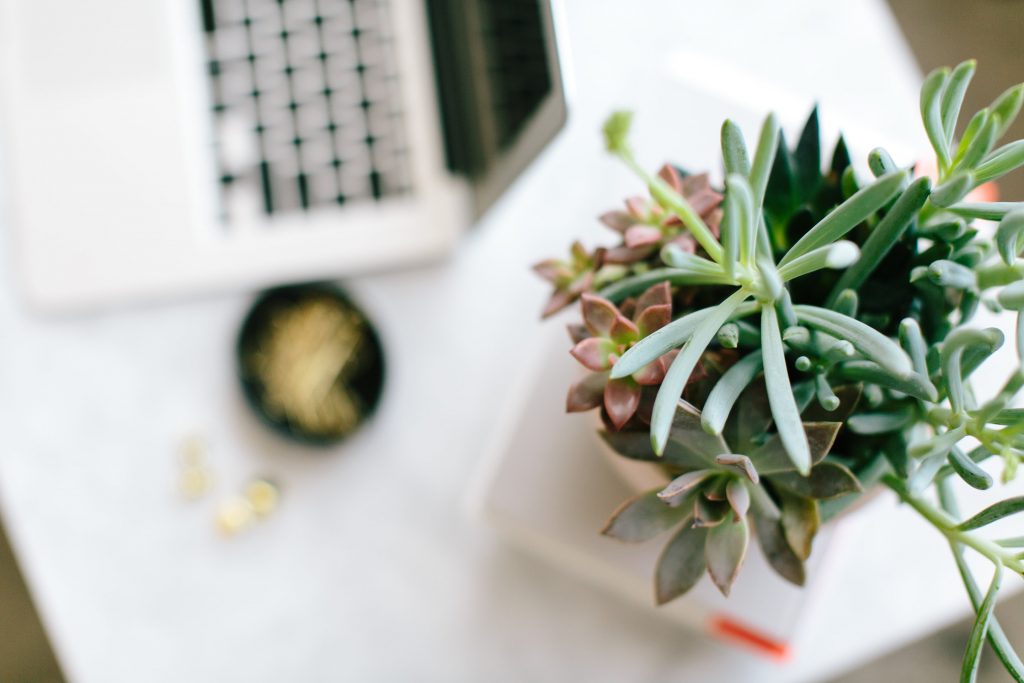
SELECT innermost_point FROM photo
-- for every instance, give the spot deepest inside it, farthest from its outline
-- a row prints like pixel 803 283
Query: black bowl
pixel 310 363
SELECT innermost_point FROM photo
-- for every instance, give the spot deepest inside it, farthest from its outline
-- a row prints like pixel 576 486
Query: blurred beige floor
pixel 940 32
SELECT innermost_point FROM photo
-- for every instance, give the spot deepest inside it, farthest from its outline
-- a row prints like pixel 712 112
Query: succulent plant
pixel 605 335
pixel 725 488
pixel 820 326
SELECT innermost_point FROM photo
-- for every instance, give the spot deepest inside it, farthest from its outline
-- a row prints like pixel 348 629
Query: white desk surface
pixel 371 570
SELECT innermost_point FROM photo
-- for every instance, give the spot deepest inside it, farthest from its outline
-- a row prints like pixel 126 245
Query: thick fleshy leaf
pixel 725 549
pixel 619 221
pixel 643 517
pixel 771 456
pixel 623 330
pixel 780 393
pixel 599 314
pixel 777 550
pixel 577 332
pixel 559 299
pixel 827 480
pixel 621 399
pixel 654 346
pixel 913 384
pixel 979 631
pixel 869 341
pixel 727 391
pixel 968 470
pixel 698 191
pixel 764 158
pixel 586 394
pixel 931 112
pixel 993 513
pixel 849 397
pixel 687 432
pixel 1008 235
pixel 734 149
pixel 708 513
pixel 680 565
pixel 651 374
pixel 953 96
pixel 800 522
pixel 808 156
pixel 683 484
pixel 637 446
pixel 657 295
pixel 670 175
pixel 741 463
pixel 738 495
pixel 679 372
pixel 594 353
pixel 848 215
pixel 653 318
pixel 880 423
pixel 553 270
pixel 642 236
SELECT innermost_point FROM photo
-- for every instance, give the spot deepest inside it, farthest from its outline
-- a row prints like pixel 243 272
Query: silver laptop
pixel 152 148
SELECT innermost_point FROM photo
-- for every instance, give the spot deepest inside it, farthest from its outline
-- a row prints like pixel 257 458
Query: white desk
pixel 370 570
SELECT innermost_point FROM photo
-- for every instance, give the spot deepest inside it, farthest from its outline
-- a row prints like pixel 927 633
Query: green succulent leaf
pixel 680 565
pixel 780 393
pixel 972 658
pixel 953 96
pixel 643 517
pixel 740 463
pixel 996 636
pixel 954 189
pixel 738 495
pixel 848 215
pixel 1000 162
pixel 778 551
pixel 741 198
pixel 800 522
pixel 981 144
pixel 764 158
pixel 808 156
pixel 993 513
pixel 880 162
pixel 771 457
pixel 1007 106
pixel 826 480
pixel 968 470
pixel 881 423
pixel 687 433
pixel 679 487
pixel 727 390
pixel 725 548
pixel 839 254
pixel 976 125
pixel 657 344
pixel 1008 235
pixel 931 112
pixel 684 454
pixel 734 149
pixel 913 384
pixel 679 372
pixel 870 342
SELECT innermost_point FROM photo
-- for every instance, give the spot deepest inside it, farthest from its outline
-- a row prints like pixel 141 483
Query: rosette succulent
pixel 818 343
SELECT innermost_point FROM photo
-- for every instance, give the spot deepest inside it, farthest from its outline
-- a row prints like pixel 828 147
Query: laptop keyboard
pixel 307 109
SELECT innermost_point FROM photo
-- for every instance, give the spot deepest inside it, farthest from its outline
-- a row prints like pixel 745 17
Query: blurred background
pixel 989 30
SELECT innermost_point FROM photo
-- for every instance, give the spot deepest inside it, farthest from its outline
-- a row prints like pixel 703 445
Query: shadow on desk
pixel 25 653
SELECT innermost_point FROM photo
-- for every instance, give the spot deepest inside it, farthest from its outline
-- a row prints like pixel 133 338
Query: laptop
pixel 155 148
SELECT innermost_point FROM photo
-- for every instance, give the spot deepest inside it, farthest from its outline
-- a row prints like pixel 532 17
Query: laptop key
pixel 314 83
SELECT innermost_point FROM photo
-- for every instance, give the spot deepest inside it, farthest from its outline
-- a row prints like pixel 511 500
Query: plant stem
pixel 948 527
